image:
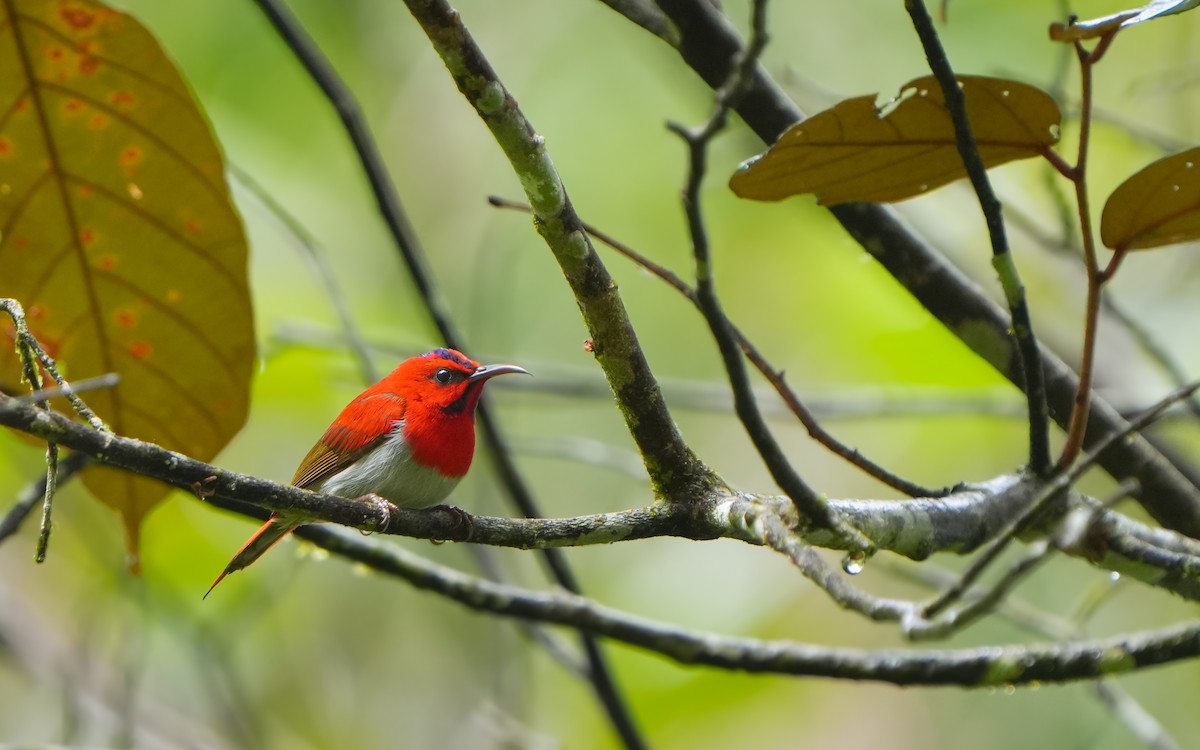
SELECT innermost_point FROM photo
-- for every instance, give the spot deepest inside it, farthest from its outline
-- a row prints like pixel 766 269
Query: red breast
pixel 430 398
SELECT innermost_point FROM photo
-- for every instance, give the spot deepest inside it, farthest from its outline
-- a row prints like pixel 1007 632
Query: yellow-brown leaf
pixel 118 235
pixel 1160 205
pixel 858 152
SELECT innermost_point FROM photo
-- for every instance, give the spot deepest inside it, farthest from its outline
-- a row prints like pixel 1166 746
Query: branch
pixel 1014 291
pixel 711 47
pixel 773 376
pixel 987 666
pixel 675 471
pixel 342 100
pixel 959 522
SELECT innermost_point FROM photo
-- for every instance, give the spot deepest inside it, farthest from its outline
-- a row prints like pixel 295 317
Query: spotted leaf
pixel 118 235
pixel 1159 205
pixel 857 151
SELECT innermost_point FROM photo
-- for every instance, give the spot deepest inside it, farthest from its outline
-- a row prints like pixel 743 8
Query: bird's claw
pixel 383 507
pixel 462 520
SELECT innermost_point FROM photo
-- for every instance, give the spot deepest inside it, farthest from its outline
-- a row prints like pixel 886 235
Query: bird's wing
pixel 362 426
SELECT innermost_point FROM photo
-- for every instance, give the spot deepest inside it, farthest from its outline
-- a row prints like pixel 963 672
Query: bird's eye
pixel 442 376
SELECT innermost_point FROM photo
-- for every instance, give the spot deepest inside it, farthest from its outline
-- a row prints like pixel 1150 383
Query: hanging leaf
pixel 1097 27
pixel 859 152
pixel 119 236
pixel 1159 205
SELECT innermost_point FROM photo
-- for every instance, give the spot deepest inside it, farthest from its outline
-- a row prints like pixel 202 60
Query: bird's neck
pixel 440 441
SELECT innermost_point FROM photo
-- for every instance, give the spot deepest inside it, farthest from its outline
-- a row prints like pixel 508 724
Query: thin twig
pixel 343 101
pixel 34 361
pixel 985 601
pixel 1014 291
pixel 809 503
pixel 1081 406
pixel 759 360
pixel 915 528
pixel 43 541
pixel 991 665
pixel 312 250
pixel 1046 494
pixel 29 497
pixel 107 380
pixel 32 350
pixel 710 46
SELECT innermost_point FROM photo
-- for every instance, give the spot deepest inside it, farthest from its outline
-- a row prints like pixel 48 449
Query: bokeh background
pixel 306 652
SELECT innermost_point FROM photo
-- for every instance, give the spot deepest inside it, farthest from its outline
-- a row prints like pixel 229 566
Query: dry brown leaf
pixel 118 235
pixel 1160 205
pixel 858 152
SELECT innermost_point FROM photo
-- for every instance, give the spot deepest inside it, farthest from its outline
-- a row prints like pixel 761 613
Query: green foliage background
pixel 302 652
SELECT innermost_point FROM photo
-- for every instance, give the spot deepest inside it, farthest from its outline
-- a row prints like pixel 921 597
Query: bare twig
pixel 1046 495
pixel 711 47
pixel 756 357
pixel 1014 291
pixel 809 503
pixel 1004 665
pixel 35 361
pixel 79 386
pixel 343 101
pixel 36 491
pixel 311 249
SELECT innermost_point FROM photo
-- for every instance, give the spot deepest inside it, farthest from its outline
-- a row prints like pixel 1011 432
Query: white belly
pixel 390 472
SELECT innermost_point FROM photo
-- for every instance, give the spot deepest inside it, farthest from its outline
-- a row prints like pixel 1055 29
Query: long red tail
pixel 272 531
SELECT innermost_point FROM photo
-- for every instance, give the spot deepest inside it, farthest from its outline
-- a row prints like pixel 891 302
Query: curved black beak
pixel 487 372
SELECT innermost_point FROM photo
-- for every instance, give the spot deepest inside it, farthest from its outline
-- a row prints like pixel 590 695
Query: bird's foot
pixel 462 520
pixel 383 507
pixel 205 488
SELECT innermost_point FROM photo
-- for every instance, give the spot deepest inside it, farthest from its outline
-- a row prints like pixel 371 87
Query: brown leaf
pixel 118 235
pixel 1160 205
pixel 857 152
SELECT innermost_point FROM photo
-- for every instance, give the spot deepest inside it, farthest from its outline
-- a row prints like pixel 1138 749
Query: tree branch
pixel 675 471
pixel 1014 291
pixel 916 528
pixel 992 665
pixel 344 103
pixel 711 47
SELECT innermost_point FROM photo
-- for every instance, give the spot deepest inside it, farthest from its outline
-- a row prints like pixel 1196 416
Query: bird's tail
pixel 272 531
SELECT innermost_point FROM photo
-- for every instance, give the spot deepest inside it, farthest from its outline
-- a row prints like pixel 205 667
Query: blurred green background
pixel 306 652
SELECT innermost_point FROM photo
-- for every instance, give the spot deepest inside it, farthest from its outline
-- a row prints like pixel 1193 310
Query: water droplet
pixel 1010 689
pixel 1114 576
pixel 1187 165
pixel 853 562
pixel 1004 93
pixel 1175 188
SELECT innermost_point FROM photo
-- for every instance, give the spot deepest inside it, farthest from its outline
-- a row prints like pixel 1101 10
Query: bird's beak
pixel 487 372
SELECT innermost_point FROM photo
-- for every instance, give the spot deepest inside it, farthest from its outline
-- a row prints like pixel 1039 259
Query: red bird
pixel 408 439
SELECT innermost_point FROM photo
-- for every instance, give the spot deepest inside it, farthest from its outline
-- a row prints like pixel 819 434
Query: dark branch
pixel 1034 383
pixel 405 238
pixel 711 47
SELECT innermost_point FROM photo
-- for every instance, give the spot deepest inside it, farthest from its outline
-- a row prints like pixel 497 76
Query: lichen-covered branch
pixel 709 45
pixel 978 667
pixel 916 528
pixel 674 469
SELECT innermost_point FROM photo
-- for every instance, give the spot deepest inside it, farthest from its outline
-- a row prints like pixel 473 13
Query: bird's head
pixel 445 383
pixel 441 389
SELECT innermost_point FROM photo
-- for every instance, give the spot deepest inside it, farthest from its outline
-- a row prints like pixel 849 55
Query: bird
pixel 407 439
